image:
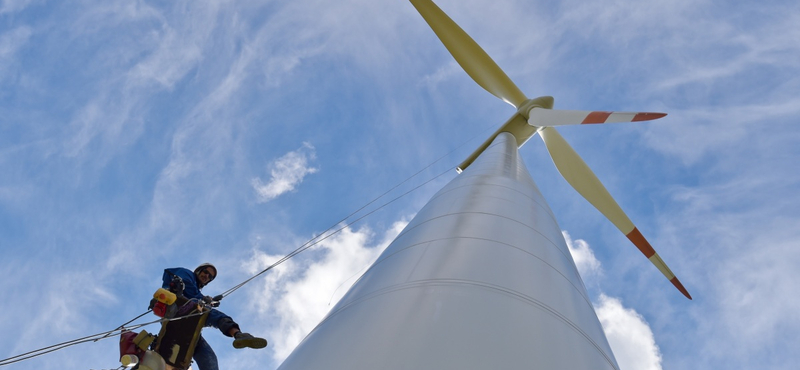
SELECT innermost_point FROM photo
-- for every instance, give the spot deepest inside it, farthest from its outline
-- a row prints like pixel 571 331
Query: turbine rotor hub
pixel 545 102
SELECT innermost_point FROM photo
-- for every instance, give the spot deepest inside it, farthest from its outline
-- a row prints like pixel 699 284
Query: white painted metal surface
pixel 480 279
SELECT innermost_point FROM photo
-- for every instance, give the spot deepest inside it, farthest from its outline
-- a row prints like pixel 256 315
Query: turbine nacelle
pixel 542 102
pixel 518 125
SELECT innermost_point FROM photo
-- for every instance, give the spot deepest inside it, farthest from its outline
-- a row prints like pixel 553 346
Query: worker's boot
pixel 242 340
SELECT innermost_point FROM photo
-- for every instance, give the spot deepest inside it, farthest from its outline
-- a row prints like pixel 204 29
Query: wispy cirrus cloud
pixel 10 43
pixel 287 173
pixel 11 6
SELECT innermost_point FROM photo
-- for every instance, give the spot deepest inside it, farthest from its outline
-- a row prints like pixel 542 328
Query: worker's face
pixel 206 275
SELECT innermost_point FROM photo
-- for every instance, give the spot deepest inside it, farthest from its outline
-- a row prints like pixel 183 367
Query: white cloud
pixel 627 332
pixel 297 294
pixel 287 172
pixel 629 335
pixel 588 265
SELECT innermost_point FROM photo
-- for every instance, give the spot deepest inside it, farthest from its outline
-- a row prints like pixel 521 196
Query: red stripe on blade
pixel 596 117
pixel 640 242
pixel 647 116
pixel 680 287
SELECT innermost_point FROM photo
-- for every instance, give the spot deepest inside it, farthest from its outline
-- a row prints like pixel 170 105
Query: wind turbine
pixel 481 277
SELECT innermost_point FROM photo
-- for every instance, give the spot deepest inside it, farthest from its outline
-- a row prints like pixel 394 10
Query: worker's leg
pixel 204 356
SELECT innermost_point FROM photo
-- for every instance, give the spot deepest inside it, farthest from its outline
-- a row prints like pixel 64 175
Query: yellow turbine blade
pixel 469 54
pixel 578 174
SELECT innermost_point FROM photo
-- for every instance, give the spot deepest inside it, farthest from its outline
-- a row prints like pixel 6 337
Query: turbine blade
pixel 469 54
pixel 555 117
pixel 578 174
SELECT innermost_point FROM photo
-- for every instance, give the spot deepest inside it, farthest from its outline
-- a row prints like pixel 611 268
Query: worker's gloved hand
pixel 212 301
pixel 176 285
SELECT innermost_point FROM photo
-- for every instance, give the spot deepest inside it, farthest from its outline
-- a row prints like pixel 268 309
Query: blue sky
pixel 140 135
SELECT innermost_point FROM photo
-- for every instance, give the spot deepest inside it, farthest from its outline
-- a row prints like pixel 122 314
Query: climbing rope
pixel 90 338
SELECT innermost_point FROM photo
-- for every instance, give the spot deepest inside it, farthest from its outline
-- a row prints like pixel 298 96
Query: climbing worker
pixel 193 281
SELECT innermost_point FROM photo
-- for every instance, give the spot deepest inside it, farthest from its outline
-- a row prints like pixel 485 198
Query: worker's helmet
pixel 203 267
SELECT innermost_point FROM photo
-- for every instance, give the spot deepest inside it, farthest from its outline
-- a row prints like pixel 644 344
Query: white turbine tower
pixel 481 278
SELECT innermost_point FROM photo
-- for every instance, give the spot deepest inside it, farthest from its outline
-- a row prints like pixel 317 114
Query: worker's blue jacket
pixel 191 290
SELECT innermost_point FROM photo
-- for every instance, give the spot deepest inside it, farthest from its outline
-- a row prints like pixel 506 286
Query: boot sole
pixel 250 343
